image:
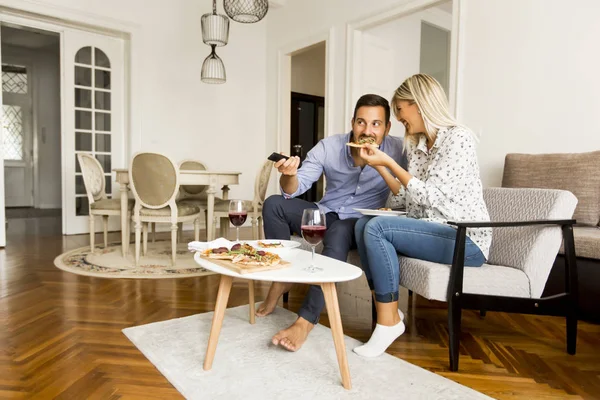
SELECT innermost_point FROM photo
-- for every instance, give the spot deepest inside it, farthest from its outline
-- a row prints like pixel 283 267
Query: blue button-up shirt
pixel 348 186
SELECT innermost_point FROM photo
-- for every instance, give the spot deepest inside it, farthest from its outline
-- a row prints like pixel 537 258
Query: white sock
pixel 382 337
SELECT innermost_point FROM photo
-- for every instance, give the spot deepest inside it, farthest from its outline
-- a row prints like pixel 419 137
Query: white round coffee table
pixel 333 271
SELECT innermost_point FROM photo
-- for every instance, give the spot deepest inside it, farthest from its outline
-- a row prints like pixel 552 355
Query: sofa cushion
pixel 578 173
pixel 430 280
pixel 587 242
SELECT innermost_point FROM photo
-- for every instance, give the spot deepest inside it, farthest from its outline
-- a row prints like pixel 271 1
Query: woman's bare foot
pixel 276 290
pixel 293 337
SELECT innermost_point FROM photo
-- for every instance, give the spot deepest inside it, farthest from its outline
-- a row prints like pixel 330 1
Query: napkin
pixel 220 242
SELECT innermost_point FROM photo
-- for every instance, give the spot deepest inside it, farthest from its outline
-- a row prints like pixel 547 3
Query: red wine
pixel 313 234
pixel 238 218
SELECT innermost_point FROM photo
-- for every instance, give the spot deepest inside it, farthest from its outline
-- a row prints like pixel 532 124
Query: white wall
pixel 530 81
pixel 221 125
pixel 435 54
pixel 308 71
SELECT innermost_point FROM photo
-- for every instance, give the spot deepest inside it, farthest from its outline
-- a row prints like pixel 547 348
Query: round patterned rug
pixel 109 262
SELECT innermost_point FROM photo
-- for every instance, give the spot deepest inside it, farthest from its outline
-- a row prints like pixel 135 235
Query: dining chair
pixel 195 194
pixel 261 184
pixel 99 203
pixel 154 180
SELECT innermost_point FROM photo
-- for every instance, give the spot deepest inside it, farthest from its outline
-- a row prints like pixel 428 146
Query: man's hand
pixel 288 167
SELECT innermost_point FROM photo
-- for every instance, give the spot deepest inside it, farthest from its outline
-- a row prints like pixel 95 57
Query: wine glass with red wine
pixel 313 231
pixel 238 213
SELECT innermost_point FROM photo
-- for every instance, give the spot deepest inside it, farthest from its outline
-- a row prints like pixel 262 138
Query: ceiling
pixel 28 38
pixel 277 3
pixel 447 7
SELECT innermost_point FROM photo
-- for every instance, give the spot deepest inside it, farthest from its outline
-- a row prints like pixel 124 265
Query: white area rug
pixel 109 262
pixel 248 366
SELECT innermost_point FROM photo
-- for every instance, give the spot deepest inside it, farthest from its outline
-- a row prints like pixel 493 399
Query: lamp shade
pixel 246 11
pixel 215 28
pixel 213 69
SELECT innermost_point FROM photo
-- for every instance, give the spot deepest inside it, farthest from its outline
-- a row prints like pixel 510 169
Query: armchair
pixel 520 260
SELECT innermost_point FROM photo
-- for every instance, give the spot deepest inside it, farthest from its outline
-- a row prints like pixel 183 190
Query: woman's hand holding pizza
pixel 374 157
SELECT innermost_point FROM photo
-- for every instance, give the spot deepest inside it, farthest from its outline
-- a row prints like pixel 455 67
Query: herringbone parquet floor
pixel 60 334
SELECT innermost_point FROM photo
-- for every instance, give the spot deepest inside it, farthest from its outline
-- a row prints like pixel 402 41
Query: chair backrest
pixel 262 183
pixel 531 249
pixel 154 180
pixel 93 177
pixel 192 190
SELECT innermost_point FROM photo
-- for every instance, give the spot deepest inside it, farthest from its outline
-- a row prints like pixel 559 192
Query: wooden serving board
pixel 247 269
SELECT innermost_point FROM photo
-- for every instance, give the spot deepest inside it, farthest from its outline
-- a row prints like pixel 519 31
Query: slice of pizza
pixel 365 140
pixel 270 245
pixel 219 253
pixel 261 258
pixel 238 248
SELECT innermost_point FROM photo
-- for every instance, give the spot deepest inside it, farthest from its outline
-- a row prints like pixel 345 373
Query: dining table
pixel 212 179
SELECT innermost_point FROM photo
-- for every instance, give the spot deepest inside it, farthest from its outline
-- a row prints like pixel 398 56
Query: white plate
pixel 287 245
pixel 366 211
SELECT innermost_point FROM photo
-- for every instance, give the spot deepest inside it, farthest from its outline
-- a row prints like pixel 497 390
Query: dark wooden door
pixel 307 124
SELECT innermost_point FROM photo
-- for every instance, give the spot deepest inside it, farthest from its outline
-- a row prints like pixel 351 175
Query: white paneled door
pixel 92 118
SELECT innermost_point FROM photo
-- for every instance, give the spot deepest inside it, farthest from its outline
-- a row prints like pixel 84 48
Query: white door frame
pixel 56 19
pixel 284 84
pixel 354 49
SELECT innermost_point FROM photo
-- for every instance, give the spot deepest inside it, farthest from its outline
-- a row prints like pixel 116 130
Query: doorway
pixel 418 37
pixel 92 101
pixel 307 112
pixel 31 124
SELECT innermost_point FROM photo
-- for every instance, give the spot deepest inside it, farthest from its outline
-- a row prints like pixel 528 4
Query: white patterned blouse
pixel 446 185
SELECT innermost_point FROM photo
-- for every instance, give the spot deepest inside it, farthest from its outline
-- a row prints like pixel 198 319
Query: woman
pixel 442 183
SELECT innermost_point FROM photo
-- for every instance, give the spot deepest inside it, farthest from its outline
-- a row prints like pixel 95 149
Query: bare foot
pixel 293 337
pixel 276 290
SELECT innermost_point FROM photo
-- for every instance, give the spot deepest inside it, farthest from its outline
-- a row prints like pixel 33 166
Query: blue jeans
pixel 284 216
pixel 381 239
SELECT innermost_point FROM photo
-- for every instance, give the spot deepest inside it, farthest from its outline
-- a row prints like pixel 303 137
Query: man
pixel 350 184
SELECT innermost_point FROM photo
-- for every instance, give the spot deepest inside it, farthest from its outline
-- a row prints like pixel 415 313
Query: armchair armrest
pixel 489 224
pixel 455 283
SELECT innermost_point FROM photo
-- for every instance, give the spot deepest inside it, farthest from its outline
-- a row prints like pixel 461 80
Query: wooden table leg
pixel 217 322
pixel 225 228
pixel 335 320
pixel 225 190
pixel 124 220
pixel 225 221
pixel 210 209
pixel 251 301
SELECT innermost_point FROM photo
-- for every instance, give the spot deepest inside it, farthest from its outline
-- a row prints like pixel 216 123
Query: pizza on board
pixel 243 255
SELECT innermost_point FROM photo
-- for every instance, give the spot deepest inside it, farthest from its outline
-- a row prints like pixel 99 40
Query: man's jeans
pixel 381 239
pixel 282 217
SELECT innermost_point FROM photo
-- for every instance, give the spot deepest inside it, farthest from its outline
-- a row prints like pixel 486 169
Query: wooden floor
pixel 60 334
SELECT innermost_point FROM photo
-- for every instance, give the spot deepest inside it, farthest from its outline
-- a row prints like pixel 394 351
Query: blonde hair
pixel 428 94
